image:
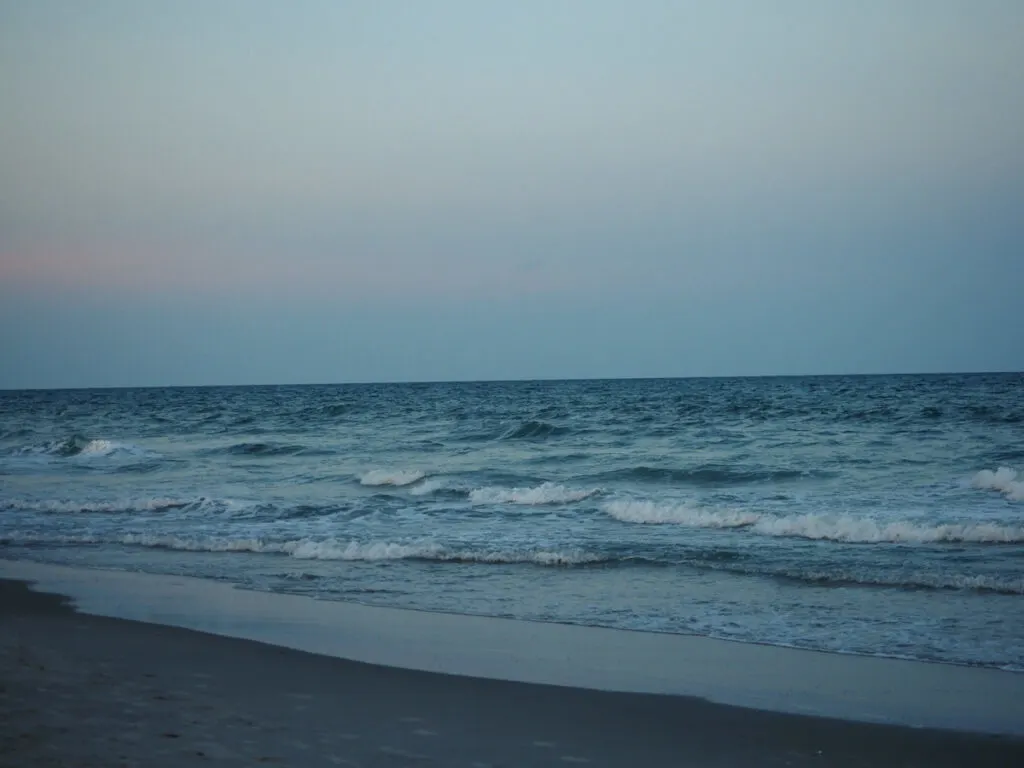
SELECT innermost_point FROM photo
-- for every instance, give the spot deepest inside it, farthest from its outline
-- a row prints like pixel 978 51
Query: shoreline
pixel 80 689
pixel 865 689
pixel 553 622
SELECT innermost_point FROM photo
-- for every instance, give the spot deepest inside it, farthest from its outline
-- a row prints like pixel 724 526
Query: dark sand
pixel 81 690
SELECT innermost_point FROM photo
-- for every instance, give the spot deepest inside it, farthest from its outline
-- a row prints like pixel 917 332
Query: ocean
pixel 879 515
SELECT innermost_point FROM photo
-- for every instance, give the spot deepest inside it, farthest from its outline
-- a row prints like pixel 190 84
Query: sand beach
pixel 90 690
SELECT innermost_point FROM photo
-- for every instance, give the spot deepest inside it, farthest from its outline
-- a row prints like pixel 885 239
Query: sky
pixel 252 192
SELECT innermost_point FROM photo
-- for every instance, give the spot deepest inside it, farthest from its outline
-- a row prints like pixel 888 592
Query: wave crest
pixel 111 448
pixel 121 506
pixel 395 477
pixel 685 513
pixel 1007 481
pixel 427 488
pixel 547 493
pixel 199 506
pixel 868 531
pixel 77 446
pixel 841 528
pixel 430 551
pixel 337 549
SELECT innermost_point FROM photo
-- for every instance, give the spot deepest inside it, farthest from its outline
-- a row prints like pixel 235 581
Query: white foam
pixel 63 506
pixel 538 557
pixel 336 549
pixel 74 447
pixel 198 544
pixel 103 448
pixel 333 549
pixel 396 477
pixel 1005 480
pixel 570 557
pixel 548 493
pixel 844 528
pixel 993 583
pixel 427 488
pixel 866 530
pixel 200 506
pixel 685 513
pixel 99 448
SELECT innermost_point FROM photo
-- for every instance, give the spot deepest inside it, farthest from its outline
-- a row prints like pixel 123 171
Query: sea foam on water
pixel 1005 480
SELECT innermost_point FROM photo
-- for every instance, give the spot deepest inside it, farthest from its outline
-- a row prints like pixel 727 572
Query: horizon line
pixel 537 380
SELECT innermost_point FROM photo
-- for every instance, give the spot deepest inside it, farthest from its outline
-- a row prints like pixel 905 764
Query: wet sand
pixel 82 690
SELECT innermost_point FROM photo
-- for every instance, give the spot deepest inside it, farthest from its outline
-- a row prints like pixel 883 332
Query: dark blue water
pixel 879 515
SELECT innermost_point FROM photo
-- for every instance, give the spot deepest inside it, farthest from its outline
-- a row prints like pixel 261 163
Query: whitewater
pixel 870 515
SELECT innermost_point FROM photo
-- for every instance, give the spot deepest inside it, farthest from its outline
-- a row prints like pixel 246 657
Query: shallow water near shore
pixel 871 515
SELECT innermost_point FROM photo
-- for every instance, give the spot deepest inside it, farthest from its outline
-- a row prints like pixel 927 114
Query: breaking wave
pixel 339 549
pixel 332 549
pixel 201 506
pixel 1007 481
pixel 841 528
pixel 76 446
pixel 866 530
pixel 548 493
pixel 647 512
pixel 60 506
pixel 395 477
pixel 427 488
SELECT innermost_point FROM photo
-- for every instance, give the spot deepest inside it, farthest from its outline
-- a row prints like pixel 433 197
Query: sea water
pixel 874 515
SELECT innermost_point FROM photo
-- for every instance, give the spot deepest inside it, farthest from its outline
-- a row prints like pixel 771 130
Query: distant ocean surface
pixel 873 515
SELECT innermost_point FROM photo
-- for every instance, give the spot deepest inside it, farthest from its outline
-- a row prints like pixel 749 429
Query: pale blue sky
pixel 206 192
